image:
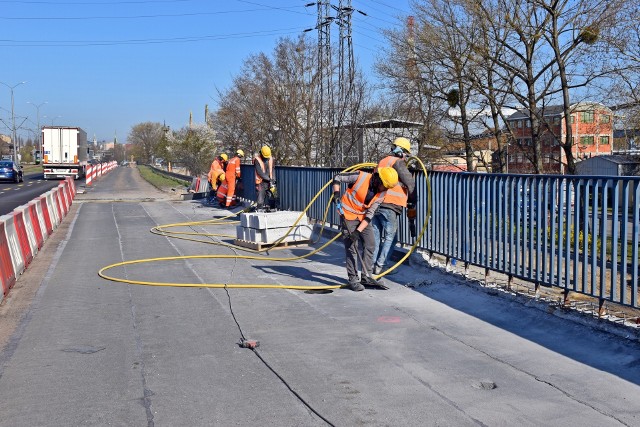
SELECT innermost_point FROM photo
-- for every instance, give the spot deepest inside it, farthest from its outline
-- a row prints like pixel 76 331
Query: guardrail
pixel 577 233
pixel 580 234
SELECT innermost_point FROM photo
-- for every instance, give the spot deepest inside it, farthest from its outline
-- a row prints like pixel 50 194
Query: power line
pixel 390 7
pixel 69 43
pixel 58 3
pixel 167 15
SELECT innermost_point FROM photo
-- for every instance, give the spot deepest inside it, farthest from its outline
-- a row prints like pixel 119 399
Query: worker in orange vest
pixel 218 167
pixel 221 192
pixel 265 172
pixel 403 195
pixel 232 176
pixel 357 206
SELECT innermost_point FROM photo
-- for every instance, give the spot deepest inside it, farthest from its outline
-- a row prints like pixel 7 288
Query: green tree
pixel 145 138
pixel 193 147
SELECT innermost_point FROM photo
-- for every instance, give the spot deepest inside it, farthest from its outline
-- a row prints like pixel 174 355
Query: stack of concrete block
pixel 269 227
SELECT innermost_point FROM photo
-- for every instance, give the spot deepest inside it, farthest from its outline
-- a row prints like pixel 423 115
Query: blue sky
pixel 107 65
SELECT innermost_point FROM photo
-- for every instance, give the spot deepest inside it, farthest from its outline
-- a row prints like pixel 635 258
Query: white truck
pixel 64 152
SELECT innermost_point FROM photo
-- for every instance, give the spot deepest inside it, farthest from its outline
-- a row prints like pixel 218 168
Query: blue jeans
pixel 385 226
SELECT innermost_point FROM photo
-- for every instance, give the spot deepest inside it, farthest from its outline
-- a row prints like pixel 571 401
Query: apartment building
pixel 592 135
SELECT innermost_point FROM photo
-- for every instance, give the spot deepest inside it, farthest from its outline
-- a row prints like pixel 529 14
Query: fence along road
pixel 95 352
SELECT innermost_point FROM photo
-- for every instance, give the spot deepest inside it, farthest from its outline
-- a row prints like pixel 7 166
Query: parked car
pixel 9 171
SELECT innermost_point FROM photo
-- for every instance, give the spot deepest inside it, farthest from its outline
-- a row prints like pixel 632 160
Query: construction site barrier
pixel 25 238
pixel 37 222
pixel 23 231
pixel 96 171
pixel 15 252
pixel 89 177
pixel 46 217
pixel 7 273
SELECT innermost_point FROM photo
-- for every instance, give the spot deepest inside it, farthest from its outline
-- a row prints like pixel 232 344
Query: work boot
pixel 377 269
pixel 355 286
pixel 369 281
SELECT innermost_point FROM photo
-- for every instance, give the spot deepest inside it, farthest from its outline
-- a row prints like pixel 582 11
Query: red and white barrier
pixel 89 178
pixel 7 272
pixel 23 231
pixel 96 171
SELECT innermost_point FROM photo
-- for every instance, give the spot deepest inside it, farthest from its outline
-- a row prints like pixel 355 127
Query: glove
pixel 354 236
pixel 411 211
pixel 336 197
pixel 412 228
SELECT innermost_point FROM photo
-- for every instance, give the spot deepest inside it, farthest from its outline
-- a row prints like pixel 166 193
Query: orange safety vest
pixel 215 171
pixel 233 166
pixel 398 194
pixel 353 200
pixel 270 171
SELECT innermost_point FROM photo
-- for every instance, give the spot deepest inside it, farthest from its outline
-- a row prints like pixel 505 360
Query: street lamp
pixel 38 116
pixel 39 133
pixel 13 122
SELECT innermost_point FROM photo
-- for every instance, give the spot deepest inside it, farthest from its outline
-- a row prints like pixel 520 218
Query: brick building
pixel 592 135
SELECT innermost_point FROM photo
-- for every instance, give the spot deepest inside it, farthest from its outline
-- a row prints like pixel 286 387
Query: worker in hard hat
pixel 232 176
pixel 402 195
pixel 265 172
pixel 357 206
pixel 218 167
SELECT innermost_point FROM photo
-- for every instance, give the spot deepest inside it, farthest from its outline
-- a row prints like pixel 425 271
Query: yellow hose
pixel 161 230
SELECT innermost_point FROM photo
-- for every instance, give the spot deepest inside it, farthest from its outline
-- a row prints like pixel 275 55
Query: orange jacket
pixel 398 194
pixel 233 169
pixel 215 171
pixel 353 200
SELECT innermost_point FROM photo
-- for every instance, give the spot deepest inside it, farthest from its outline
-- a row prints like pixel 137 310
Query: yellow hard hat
pixel 403 143
pixel 224 157
pixel 240 153
pixel 266 152
pixel 388 176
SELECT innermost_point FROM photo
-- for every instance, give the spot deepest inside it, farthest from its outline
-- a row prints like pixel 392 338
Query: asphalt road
pixel 94 352
pixel 13 195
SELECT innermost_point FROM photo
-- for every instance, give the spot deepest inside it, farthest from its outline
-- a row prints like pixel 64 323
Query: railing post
pixel 565 298
pixel 486 276
pixel 602 310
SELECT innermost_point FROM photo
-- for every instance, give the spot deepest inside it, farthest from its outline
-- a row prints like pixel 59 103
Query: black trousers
pixel 261 190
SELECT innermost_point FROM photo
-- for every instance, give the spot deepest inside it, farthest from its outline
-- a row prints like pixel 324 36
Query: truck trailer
pixel 64 152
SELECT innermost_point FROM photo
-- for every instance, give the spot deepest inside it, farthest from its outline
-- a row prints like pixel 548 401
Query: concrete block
pixel 279 219
pixel 272 235
pixel 244 219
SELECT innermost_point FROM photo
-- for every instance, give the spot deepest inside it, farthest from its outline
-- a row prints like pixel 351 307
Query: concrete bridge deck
pixel 87 351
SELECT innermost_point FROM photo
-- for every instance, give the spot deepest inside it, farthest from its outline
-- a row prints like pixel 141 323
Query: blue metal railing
pixel 580 234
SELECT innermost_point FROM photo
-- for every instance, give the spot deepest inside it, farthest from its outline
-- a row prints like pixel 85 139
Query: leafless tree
pixel 412 91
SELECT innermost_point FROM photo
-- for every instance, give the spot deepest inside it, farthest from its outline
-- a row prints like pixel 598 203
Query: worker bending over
pixel 402 195
pixel 218 167
pixel 356 207
pixel 232 176
pixel 265 175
